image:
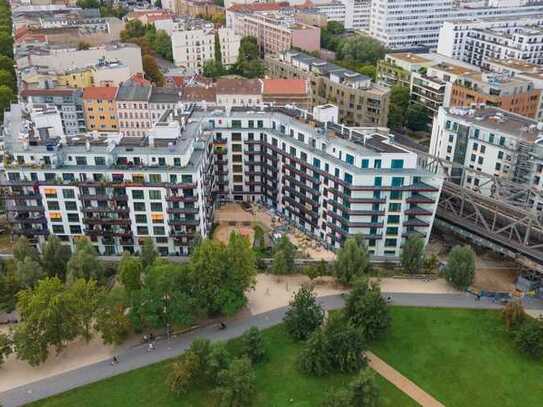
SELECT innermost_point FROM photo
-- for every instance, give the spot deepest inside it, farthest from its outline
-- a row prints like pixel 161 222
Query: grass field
pixel 279 384
pixel 461 357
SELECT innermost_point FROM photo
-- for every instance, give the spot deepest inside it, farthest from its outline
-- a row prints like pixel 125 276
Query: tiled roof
pixel 199 93
pixel 48 92
pixel 239 87
pixel 131 92
pixel 284 87
pixel 249 8
pixel 100 92
pixel 164 95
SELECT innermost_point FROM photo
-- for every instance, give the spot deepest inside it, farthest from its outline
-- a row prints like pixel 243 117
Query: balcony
pixel 30 232
pixel 188 222
pixel 104 221
pixel 419 199
pixel 418 211
pixel 177 198
pixel 26 208
pixel 416 222
pixel 22 196
pixel 182 210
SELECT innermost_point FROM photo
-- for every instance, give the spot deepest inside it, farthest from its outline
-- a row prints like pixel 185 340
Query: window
pixel 156 206
pixel 155 178
pixel 473 157
pixel 142 230
pixel 480 160
pixel 154 194
pixel 502 141
pixel 236 124
pixel 378 181
pixel 139 206
pixel 491 138
pixel 500 155
pixel 365 163
pixel 396 195
pixel 58 229
pixel 392 231
pixel 393 219
pixel 316 162
pixel 397 181
pixel 53 205
pixel 349 159
pixel 81 160
pixel 159 230
pixel 498 166
pixel 137 194
pixel 73 217
pixel 397 164
pixel 394 207
pixel 68 193
pixel 348 178
pixel 141 218
pixel 99 161
pixel 391 242
pixel 475 146
pixel 70 205
pixel 186 179
pixel 483 149
pixel 75 229
pixel 377 163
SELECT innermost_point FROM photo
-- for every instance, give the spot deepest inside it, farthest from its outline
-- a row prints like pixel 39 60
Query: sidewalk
pixel 401 382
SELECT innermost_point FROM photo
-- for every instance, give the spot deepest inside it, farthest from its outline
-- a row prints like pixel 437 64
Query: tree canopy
pixel 249 63
pixel 399 103
pixel 304 314
pixel 460 268
pixel 84 263
pixel 352 260
pixel 412 255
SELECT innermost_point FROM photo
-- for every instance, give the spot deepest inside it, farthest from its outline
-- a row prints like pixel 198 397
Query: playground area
pixel 244 217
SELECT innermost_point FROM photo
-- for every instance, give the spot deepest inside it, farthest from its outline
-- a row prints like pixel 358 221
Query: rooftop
pixel 164 95
pixel 239 86
pixel 131 92
pixel 516 64
pixel 199 94
pixel 48 92
pixel 409 57
pixel 453 69
pixel 284 86
pixel 100 92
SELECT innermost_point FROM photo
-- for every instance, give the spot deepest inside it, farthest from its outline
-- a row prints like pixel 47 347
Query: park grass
pixel 462 357
pixel 279 384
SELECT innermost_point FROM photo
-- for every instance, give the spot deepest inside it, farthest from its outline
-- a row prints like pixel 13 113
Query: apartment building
pixel 493 141
pixel 360 102
pixel 275 29
pixel 404 24
pixel 68 102
pixel 194 42
pixel 329 180
pixel 100 108
pixel 514 95
pixel 282 92
pixel 236 92
pixel 477 41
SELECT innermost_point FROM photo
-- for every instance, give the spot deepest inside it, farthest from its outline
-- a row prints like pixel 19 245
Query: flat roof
pixel 409 57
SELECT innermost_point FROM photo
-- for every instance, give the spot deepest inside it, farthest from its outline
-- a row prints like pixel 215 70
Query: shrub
pixel 460 268
pixel 529 338
pixel 237 386
pixel 253 345
pixel 304 315
pixel 513 314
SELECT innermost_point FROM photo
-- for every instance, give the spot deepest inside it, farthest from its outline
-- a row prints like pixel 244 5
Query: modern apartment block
pixel 477 41
pixel 100 108
pixel 68 102
pixel 404 24
pixel 330 180
pixel 360 102
pixel 492 141
pixel 193 44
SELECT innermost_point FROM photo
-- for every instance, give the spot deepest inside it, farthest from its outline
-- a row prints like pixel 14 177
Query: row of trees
pixel 8 78
pixel 402 113
pixel 249 64
pixel 61 296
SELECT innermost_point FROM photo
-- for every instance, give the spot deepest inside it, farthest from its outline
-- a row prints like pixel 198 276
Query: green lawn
pixel 462 357
pixel 279 384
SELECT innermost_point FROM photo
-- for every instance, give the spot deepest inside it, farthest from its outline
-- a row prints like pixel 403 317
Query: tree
pixel 217 50
pixel 330 35
pixel 151 70
pixel 237 387
pixel 339 398
pixel 253 345
pixel 148 252
pixel 360 49
pixel 314 358
pixel 212 69
pixel 6 44
pixel 368 70
pixel 279 264
pixel 88 3
pixel 249 63
pixel 417 117
pixel 6 346
pixel 9 286
pixel 7 63
pixel 162 44
pixel 48 318
pixel 86 297
pixel 218 360
pixel 399 102
pixel 430 263
pixel 132 29
pixel 287 250
pixel 55 257
pixel 304 314
pixel 529 338
pixel 352 260
pixel 460 268
pixel 84 263
pixel 24 249
pixel 28 272
pixel 259 242
pixel 412 255
pixel 182 373
pixel 130 272
pixel 363 390
pixel 7 96
pixel 513 314
pixel 7 78
pixel 366 309
pixel 111 319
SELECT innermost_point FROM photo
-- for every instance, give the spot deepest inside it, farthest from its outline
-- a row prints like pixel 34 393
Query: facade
pixel 476 41
pixel 283 92
pixel 68 102
pixel 100 108
pixel 408 24
pixel 360 102
pixel 493 141
pixel 332 182
pixel 239 92
pixel 511 94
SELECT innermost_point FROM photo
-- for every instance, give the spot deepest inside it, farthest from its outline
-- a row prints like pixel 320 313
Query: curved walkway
pixel 137 357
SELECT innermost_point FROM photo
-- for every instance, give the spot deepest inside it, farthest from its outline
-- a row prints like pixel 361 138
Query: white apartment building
pixel 402 24
pixel 331 182
pixel 476 41
pixel 492 141
pixel 193 44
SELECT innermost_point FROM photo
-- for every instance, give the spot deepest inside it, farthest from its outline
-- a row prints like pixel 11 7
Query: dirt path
pixel 402 382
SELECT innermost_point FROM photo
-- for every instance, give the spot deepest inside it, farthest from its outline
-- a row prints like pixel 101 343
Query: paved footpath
pixel 401 382
pixel 137 357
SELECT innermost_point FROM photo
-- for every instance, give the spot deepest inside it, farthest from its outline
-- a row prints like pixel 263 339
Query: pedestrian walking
pixel 151 347
pixel 115 360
